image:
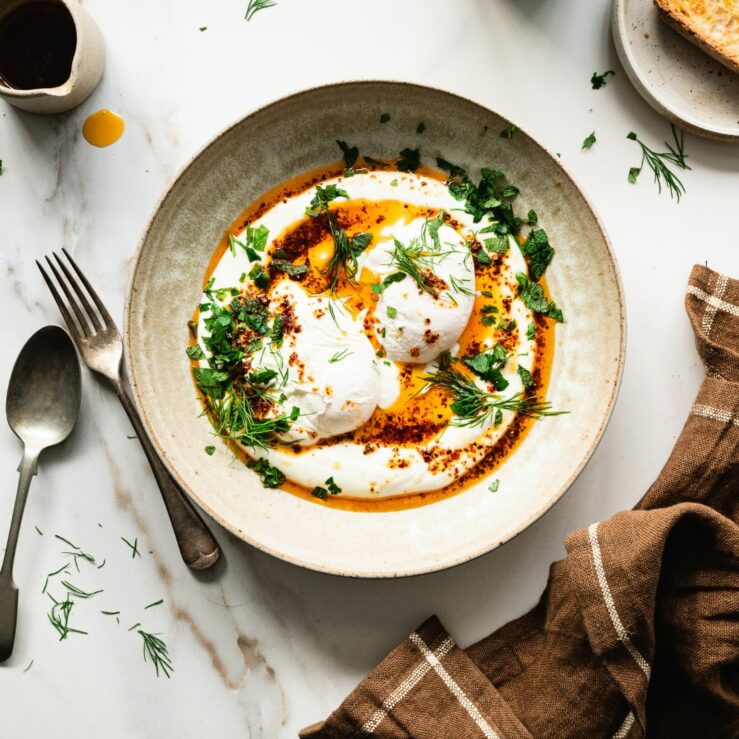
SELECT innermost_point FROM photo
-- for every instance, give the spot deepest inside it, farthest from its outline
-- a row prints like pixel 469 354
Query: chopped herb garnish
pixel 531 331
pixel 589 141
pixel 420 128
pixel 343 354
pixel 393 183
pixel 210 381
pixel 210 450
pixel 532 219
pixel 270 476
pixel 494 485
pixel 498 244
pixel 474 406
pixel 195 351
pixel 203 28
pixel 507 133
pixel 488 366
pixel 259 277
pixel 526 377
pixel 658 163
pixel 156 603
pixel 331 488
pixel 538 252
pixel 532 294
pixel 253 7
pixel 380 287
pixel 410 160
pixel 599 80
pixel 351 153
pixel 38 531
pixel 392 312
pixel 293 270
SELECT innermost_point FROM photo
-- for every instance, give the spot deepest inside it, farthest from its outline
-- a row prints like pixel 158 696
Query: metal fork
pixel 100 344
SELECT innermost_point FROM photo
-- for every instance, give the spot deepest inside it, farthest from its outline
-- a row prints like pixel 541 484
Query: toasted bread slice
pixel 711 24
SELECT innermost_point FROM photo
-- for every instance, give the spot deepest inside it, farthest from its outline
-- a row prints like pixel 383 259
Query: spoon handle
pixel 197 546
pixel 8 590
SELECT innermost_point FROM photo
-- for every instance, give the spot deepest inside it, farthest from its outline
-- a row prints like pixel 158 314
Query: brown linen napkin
pixel 637 632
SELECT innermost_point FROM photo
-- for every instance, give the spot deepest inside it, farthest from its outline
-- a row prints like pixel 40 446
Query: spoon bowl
pixel 44 391
pixel 42 406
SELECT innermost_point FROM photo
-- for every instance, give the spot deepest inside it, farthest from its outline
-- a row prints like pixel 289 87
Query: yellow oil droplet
pixel 320 255
pixel 103 128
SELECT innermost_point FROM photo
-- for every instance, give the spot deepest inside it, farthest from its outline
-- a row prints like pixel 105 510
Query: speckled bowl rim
pixel 244 536
pixel 619 32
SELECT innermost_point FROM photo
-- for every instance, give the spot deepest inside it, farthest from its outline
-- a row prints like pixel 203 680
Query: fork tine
pixel 84 326
pixel 99 303
pixel 92 316
pixel 71 325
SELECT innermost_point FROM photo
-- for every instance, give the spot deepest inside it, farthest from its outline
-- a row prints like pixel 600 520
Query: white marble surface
pixel 261 648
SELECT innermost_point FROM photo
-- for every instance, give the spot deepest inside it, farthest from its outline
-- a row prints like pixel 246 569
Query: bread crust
pixel 692 32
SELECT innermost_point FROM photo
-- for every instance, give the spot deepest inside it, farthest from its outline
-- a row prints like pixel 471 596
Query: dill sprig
pixel 134 547
pixel 658 163
pixel 474 406
pixel 416 260
pixel 235 419
pixel 59 617
pixel 343 354
pixel 255 6
pixel 74 590
pixel 156 651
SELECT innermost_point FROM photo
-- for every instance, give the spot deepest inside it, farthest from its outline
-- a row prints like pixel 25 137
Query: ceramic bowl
pixel 296 134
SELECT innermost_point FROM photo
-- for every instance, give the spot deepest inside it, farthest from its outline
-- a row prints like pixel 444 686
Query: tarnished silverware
pixel 42 406
pixel 101 347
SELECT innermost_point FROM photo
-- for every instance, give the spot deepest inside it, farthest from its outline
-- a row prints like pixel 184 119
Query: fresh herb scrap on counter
pixel 532 294
pixel 473 406
pixel 134 547
pixel 270 476
pixel 156 651
pixel 599 80
pixel 351 153
pixel 507 133
pixel 589 141
pixel 658 163
pixel 255 6
pixel 410 160
pixel 385 117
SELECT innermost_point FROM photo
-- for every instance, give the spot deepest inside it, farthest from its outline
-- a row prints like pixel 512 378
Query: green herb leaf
pixel 210 450
pixel 507 133
pixel 380 287
pixel 532 294
pixel 212 382
pixel 253 7
pixel 531 331
pixel 392 312
pixel 333 488
pixel 494 485
pixel 526 377
pixel 195 351
pixel 538 252
pixel 589 141
pixel 659 163
pixel 532 219
pixel 599 80
pixel 259 277
pixel 351 153
pixel 293 270
pixel 410 160
pixel 270 476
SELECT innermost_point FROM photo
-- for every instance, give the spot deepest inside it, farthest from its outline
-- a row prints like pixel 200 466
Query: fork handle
pixel 197 546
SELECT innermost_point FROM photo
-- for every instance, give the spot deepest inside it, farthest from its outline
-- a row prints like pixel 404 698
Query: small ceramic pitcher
pixel 86 70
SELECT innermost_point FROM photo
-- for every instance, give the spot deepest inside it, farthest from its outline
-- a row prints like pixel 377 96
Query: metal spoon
pixel 42 406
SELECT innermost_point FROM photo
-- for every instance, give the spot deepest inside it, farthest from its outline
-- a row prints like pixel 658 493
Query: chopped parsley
pixel 270 476
pixel 526 377
pixel 538 252
pixel 410 160
pixel 488 366
pixel 392 312
pixel 211 381
pixel 507 133
pixel 532 294
pixel 589 141
pixel 380 287
pixel 599 80
pixel 532 219
pixel 195 351
pixel 531 331
pixel 351 153
pixel 290 269
pixel 494 485
pixel 259 277
pixel 210 450
pixel 331 489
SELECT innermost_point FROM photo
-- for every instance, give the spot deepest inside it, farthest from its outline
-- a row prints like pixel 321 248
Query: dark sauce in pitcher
pixel 37 44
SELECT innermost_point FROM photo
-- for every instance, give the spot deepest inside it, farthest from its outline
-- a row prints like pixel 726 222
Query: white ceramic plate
pixel 674 76
pixel 292 136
